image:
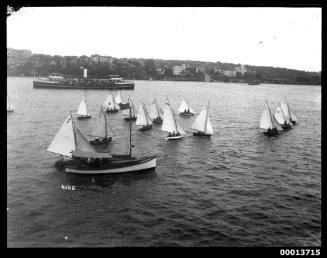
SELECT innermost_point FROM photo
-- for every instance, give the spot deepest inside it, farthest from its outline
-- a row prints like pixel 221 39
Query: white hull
pixel 173 138
pixel 146 165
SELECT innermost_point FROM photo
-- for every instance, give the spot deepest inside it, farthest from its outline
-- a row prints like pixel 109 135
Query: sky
pixel 279 37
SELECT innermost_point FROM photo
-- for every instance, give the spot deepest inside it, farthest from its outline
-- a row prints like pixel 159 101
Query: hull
pixel 201 134
pixel 130 119
pixel 293 122
pixel 10 110
pixel 145 128
pixel 186 114
pixel 104 141
pixel 273 133
pixel 57 85
pixel 84 117
pixel 112 110
pixel 139 165
pixel 174 137
pixel 157 121
pixel 286 127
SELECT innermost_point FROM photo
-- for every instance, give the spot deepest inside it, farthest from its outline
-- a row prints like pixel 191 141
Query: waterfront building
pixel 229 73
pixel 241 69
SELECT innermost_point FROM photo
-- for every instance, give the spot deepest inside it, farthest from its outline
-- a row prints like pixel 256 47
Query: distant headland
pixel 25 63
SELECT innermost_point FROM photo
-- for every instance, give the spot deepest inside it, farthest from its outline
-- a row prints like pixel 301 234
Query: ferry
pixel 60 81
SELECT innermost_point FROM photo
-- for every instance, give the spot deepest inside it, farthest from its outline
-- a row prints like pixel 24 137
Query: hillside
pixel 25 63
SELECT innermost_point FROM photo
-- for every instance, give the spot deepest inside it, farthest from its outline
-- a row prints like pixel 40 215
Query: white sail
pixel 82 108
pixel 110 103
pixel 169 123
pixel 10 106
pixel 100 129
pixel 276 124
pixel 63 143
pixel 155 110
pixel 266 121
pixel 293 116
pixel 285 109
pixel 119 98
pixel 142 116
pixel 126 111
pixel 82 144
pixel 279 115
pixel 184 107
pixel 202 122
pixel 209 129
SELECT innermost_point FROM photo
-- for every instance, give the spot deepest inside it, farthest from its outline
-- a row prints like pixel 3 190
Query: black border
pixel 217 251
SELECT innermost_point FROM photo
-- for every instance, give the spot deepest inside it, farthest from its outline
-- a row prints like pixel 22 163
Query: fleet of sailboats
pixel 10 106
pixel 155 112
pixel 84 158
pixel 170 124
pixel 82 111
pixel 143 118
pixel 185 109
pixel 202 124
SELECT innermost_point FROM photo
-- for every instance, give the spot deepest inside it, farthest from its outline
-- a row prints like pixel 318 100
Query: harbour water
pixel 238 188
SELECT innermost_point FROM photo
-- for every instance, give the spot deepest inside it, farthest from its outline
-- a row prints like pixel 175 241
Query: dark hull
pixel 94 86
pixel 157 121
pixel 83 117
pixel 128 119
pixel 293 122
pixel 286 127
pixel 272 133
pixel 104 141
pixel 146 128
pixel 201 134
pixel 112 111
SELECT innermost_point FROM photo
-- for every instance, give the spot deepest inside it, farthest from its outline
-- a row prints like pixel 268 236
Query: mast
pixel 146 114
pixel 74 132
pixel 270 115
pixel 205 125
pixel 105 122
pixel 157 107
pixel 87 112
pixel 130 131
pixel 172 111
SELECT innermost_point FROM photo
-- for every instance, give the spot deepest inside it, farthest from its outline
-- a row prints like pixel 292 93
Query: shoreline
pixel 17 76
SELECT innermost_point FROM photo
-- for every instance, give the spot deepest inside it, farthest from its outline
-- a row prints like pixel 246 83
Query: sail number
pixel 68 187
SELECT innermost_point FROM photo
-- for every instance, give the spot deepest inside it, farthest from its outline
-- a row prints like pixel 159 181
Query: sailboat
pixel 126 111
pixel 286 109
pixel 83 158
pixel 100 131
pixel 143 118
pixel 170 124
pixel 82 111
pixel 155 112
pixel 282 117
pixel 10 106
pixel 269 122
pixel 185 109
pixel 110 104
pixel 202 123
